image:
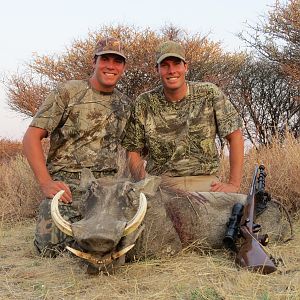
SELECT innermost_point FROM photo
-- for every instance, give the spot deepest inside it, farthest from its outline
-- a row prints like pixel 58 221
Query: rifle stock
pixel 252 254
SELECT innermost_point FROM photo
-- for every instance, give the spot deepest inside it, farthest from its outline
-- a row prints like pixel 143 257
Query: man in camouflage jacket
pixel 173 128
pixel 84 120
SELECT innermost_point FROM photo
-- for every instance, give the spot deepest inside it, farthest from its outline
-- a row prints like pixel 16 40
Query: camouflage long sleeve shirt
pixel 180 137
pixel 84 125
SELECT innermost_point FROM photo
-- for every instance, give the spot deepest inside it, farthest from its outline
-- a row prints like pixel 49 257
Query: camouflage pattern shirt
pixel 84 125
pixel 179 137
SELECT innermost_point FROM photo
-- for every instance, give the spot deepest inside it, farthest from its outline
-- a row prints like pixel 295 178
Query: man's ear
pixel 93 62
pixel 125 66
pixel 86 179
pixel 186 67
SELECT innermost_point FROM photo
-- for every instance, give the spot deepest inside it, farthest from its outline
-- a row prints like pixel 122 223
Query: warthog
pixel 163 220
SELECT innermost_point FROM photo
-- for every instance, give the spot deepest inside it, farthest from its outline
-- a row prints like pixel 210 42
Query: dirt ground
pixel 24 275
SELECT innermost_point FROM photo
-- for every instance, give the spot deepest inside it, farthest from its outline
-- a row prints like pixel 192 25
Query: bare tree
pixel 265 99
pixel 277 37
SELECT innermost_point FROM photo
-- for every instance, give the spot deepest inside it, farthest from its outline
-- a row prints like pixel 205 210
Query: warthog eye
pixel 92 187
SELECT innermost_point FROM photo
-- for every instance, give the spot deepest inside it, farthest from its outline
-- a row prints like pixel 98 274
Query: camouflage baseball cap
pixel 167 49
pixel 109 45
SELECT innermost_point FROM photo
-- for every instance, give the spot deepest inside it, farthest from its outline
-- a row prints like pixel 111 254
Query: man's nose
pixel 171 69
pixel 110 64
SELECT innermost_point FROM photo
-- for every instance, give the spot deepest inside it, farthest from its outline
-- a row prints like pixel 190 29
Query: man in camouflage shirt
pixel 84 120
pixel 176 125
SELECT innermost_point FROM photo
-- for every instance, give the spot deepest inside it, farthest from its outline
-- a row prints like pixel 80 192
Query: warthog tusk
pixel 89 257
pixel 59 221
pixel 136 221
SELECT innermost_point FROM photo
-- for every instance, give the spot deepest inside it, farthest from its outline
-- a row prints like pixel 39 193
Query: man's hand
pixel 32 148
pixel 51 187
pixel 136 165
pixel 223 187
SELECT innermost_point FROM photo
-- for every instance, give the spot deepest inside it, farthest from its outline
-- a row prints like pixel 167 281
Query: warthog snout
pixel 98 237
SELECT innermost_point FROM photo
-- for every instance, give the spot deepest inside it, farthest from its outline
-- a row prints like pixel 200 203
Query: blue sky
pixel 46 27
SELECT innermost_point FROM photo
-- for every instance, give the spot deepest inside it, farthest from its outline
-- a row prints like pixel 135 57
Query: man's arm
pixel 236 160
pixel 136 165
pixel 236 157
pixel 32 148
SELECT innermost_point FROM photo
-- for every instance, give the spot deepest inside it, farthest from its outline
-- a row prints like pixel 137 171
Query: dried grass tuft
pixel 282 162
pixel 19 192
pixel 9 149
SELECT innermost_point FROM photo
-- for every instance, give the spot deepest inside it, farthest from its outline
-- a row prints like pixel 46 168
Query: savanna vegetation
pixel 263 84
pixel 210 274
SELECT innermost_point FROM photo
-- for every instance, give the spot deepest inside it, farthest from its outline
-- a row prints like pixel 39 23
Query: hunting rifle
pixel 252 254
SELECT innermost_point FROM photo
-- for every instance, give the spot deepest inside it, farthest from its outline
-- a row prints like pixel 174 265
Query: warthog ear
pixel 149 185
pixel 86 179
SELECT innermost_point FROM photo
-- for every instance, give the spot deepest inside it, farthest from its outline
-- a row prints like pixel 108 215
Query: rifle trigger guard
pixel 256 228
pixel 246 222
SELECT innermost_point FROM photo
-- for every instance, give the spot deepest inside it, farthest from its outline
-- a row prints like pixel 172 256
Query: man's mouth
pixel 109 75
pixel 172 79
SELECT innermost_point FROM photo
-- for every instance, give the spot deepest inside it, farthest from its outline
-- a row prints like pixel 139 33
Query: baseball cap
pixel 167 49
pixel 109 45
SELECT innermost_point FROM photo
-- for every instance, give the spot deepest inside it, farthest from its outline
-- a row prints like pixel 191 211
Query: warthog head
pixel 112 216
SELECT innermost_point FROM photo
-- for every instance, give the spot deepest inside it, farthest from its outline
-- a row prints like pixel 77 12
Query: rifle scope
pixel 233 226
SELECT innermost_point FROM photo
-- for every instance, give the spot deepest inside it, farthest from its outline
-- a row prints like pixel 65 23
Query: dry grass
pixel 19 192
pixel 9 149
pixel 187 276
pixel 282 162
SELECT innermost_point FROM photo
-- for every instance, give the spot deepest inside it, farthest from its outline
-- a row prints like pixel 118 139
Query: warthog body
pixel 174 219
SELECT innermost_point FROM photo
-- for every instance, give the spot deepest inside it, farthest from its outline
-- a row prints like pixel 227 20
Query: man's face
pixel 108 69
pixel 172 72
